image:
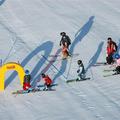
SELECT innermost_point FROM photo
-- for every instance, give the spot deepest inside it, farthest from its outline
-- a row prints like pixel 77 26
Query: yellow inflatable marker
pixel 11 66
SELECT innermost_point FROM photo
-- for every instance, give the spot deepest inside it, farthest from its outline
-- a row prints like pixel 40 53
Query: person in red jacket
pixel 47 80
pixel 111 49
pixel 115 46
pixel 26 83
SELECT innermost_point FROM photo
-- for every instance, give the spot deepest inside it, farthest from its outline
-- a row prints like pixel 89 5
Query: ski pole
pixel 54 66
pixel 92 73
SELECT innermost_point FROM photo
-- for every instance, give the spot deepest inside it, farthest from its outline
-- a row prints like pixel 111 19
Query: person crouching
pixel 47 80
pixel 26 83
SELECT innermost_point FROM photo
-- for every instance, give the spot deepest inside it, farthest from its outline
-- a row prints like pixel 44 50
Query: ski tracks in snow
pixel 95 101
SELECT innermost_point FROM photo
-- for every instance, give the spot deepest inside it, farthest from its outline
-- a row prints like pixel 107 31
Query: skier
pixel 47 80
pixel 114 43
pixel 80 71
pixel 117 65
pixel 111 49
pixel 65 40
pixel 26 83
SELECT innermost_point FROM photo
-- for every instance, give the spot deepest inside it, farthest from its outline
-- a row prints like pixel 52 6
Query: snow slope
pixel 30 29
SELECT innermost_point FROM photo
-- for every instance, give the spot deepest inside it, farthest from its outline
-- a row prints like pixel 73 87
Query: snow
pixel 30 29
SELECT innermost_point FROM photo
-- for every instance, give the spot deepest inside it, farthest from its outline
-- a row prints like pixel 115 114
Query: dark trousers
pixel 117 69
pixel 109 59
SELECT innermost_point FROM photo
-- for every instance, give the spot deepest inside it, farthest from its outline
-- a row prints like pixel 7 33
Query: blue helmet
pixel 116 56
pixel 26 72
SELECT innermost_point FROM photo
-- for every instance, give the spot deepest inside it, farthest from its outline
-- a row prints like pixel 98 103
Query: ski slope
pixel 30 33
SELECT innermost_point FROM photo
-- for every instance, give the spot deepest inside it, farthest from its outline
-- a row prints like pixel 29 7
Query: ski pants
pixel 81 76
pixel 117 69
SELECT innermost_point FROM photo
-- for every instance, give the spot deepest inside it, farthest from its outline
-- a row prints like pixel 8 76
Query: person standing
pixel 65 42
pixel 111 49
pixel 117 63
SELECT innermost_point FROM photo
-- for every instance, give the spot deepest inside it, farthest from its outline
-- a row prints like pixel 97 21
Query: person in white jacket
pixel 80 71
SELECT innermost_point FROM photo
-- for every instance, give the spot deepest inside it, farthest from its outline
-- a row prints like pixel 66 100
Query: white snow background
pixel 30 29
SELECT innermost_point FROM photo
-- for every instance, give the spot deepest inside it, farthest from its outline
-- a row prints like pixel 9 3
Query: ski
pixel 25 91
pixel 100 64
pixel 108 70
pixel 40 86
pixel 61 59
pixel 110 75
pixel 31 91
pixel 76 54
pixel 74 80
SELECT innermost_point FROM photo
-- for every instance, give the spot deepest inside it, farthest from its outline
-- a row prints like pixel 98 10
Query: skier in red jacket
pixel 111 49
pixel 47 81
pixel 113 43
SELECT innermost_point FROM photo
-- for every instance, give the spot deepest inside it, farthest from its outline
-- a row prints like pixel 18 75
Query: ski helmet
pixel 26 71
pixel 116 56
pixel 79 61
pixel 43 75
pixel 109 38
pixel 62 33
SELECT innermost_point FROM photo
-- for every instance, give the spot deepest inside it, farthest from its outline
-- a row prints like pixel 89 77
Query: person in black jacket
pixel 65 40
pixel 80 71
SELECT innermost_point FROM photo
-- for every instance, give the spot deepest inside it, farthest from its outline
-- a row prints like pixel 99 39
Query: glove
pixel 78 71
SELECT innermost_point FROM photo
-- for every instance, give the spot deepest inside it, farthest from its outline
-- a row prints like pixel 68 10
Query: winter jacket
pixel 65 39
pixel 26 83
pixel 110 49
pixel 118 62
pixel 27 78
pixel 26 86
pixel 81 69
pixel 47 80
pixel 115 45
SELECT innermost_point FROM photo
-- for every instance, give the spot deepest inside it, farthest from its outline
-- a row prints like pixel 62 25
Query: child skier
pixel 117 65
pixel 26 83
pixel 80 71
pixel 47 80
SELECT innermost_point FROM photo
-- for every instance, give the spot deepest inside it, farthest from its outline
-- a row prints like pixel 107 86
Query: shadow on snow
pixel 78 37
pixel 95 57
pixel 1 2
pixel 46 47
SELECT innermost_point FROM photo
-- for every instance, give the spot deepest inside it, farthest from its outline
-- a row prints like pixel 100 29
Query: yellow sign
pixel 11 66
